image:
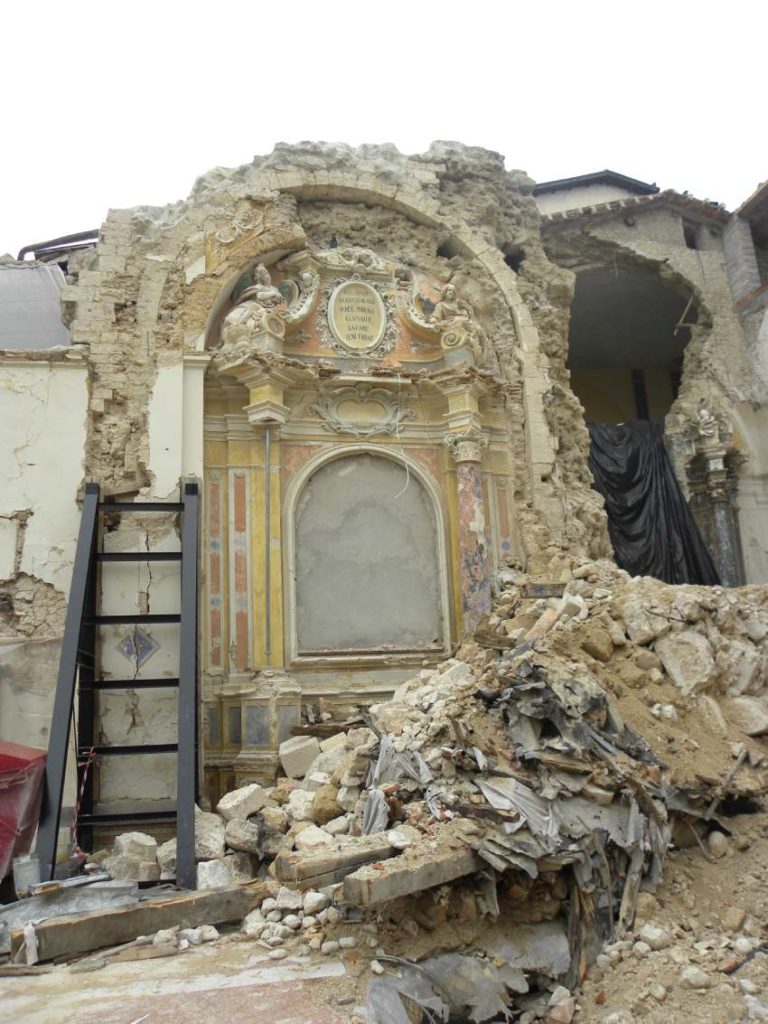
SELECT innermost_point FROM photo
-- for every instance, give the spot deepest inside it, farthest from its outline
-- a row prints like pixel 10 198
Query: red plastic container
pixel 21 788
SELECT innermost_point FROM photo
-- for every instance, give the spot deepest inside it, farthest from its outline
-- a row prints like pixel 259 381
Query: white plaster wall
pixel 575 198
pixel 165 429
pixel 42 440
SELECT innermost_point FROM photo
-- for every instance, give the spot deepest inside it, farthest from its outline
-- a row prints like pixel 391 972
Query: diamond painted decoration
pixel 138 646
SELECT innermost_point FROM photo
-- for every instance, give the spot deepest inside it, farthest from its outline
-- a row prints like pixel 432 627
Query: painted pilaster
pixel 475 582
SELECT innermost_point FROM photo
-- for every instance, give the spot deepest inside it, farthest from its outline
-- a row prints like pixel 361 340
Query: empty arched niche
pixel 626 341
pixel 367 560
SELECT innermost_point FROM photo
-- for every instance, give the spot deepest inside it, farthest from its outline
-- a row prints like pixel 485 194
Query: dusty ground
pixel 698 906
pixel 226 982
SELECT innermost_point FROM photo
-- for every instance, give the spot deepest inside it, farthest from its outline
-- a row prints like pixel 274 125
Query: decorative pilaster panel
pixel 466 450
pixel 214 507
pixel 241 653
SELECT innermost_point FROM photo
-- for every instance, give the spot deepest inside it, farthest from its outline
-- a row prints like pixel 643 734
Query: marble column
pixel 721 487
pixel 475 582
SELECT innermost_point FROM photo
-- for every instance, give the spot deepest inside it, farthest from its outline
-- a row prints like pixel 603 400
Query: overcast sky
pixel 118 105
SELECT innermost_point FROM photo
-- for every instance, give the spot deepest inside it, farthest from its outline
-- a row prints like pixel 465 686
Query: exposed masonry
pixel 144 298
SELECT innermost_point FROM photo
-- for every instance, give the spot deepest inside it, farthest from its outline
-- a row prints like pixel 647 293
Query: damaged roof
pixel 30 308
pixel 605 177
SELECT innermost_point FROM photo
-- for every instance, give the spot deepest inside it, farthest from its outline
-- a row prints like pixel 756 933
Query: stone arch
pixel 405 609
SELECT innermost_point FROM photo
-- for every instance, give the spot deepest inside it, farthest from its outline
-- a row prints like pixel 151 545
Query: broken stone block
pixel 748 714
pixel 315 780
pixel 597 642
pixel 739 666
pixel 687 659
pixel 287 899
pixel 149 871
pixel 347 797
pixel 240 803
pixel 138 845
pixel 209 835
pixel 360 737
pixel 241 867
pixel 312 838
pixel 334 742
pixel 123 868
pixel 275 818
pixel 330 761
pixel 337 826
pixel 297 754
pixel 643 628
pixel 326 807
pixel 314 902
pixel 242 835
pixel 166 858
pixel 301 805
pixel 213 874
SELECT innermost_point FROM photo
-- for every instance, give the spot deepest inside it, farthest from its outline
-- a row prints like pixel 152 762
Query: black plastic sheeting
pixel 652 529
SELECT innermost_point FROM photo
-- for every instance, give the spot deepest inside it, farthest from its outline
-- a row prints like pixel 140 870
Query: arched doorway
pixel 366 571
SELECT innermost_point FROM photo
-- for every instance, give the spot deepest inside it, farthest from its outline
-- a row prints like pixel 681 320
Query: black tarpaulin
pixel 652 529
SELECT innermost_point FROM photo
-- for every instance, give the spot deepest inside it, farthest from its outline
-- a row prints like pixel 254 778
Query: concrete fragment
pixel 655 937
pixel 347 797
pixel 403 836
pixel 734 918
pixel 694 977
pixel 717 844
pixel 748 714
pixel 242 835
pixel 297 754
pixel 149 871
pixel 687 659
pixel 242 802
pixel 275 818
pixel 337 826
pixel 314 902
pixel 138 845
pixel 288 899
pixel 326 806
pixel 209 835
pixel 301 805
pixel 334 742
pixel 642 626
pixel 213 874
pixel 166 858
pixel 241 867
pixel 316 780
pixel 313 838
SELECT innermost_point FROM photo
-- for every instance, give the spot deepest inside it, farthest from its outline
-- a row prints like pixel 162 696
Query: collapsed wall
pixel 475 843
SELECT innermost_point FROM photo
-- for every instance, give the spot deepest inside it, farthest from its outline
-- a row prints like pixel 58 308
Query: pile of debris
pixel 476 842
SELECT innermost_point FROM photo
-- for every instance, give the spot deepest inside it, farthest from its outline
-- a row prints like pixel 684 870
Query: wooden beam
pixel 80 933
pixel 415 871
pixel 304 870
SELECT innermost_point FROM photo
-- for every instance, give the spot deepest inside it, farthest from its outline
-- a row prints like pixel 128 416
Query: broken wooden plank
pixel 22 970
pixel 80 933
pixel 419 868
pixel 305 870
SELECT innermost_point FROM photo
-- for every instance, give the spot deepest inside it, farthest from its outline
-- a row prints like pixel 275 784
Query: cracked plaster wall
pixel 42 435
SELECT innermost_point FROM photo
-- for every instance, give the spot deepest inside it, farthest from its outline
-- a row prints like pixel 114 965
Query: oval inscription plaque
pixel 356 315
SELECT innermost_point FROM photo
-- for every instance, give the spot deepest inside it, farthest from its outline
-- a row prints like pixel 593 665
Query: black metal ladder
pixel 78 677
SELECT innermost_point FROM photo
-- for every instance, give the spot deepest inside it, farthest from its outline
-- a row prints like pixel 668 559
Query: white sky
pixel 117 105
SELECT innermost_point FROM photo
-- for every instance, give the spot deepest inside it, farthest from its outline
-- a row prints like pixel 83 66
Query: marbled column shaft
pixel 475 578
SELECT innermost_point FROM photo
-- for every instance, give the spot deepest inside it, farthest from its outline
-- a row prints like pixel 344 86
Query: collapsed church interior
pixel 383 551
pixel 381 370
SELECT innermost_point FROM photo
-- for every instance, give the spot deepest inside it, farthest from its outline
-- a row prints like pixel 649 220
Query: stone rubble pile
pixel 515 803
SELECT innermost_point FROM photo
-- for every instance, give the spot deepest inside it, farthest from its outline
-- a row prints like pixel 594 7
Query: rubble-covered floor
pixel 541 829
